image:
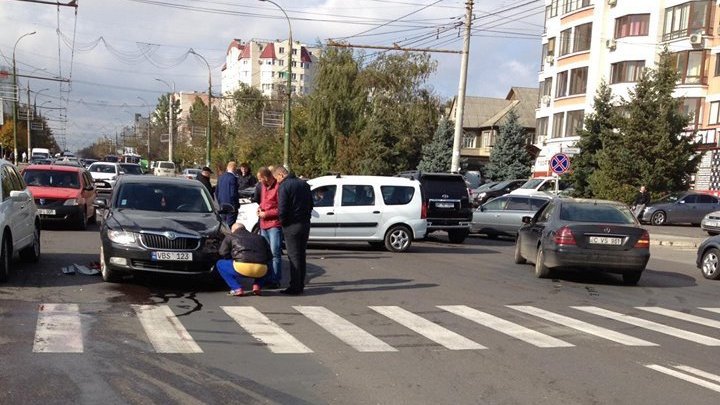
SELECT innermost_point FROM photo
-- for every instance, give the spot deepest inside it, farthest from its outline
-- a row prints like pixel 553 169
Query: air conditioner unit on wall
pixel 613 3
pixel 611 44
pixel 696 39
pixel 550 59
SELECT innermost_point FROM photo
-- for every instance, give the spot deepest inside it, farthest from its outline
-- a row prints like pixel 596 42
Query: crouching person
pixel 245 255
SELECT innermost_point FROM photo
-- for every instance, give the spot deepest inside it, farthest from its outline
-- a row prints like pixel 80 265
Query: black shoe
pixel 271 286
pixel 290 291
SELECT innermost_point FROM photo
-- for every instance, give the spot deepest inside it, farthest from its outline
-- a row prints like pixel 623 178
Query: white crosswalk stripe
pixel 164 330
pixel 654 326
pixel 266 331
pixel 583 326
pixel 716 310
pixel 428 329
pixel 687 377
pixel 58 329
pixel 344 330
pixel 509 328
pixel 682 316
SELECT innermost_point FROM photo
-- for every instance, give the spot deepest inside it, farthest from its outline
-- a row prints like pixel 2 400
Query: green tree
pixel 649 148
pixel 598 126
pixel 510 158
pixel 437 155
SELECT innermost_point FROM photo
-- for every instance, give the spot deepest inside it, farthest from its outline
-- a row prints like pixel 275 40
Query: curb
pixel 677 244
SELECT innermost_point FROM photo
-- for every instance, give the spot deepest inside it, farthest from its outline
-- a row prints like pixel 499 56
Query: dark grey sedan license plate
pixel 604 240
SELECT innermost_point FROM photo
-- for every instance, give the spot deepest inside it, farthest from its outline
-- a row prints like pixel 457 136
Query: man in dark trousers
pixel 642 199
pixel 226 192
pixel 204 178
pixel 295 206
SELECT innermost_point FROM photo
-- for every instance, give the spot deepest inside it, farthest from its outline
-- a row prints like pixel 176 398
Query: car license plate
pixel 445 205
pixel 46 212
pixel 603 240
pixel 172 256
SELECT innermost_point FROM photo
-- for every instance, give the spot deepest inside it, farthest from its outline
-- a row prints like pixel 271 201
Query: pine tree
pixel 598 126
pixel 509 158
pixel 437 155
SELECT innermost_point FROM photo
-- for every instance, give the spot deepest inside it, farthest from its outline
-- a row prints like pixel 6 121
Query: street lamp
pixel 209 112
pixel 35 100
pixel 17 96
pixel 288 114
pixel 171 101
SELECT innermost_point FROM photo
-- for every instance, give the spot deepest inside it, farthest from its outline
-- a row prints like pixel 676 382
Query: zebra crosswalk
pixel 60 327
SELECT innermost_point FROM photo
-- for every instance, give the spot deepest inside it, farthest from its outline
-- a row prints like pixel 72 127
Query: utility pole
pixel 172 125
pixel 460 107
pixel 16 96
pixel 28 121
pixel 208 138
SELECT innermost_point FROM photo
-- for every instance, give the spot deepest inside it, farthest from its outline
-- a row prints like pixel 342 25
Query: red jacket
pixel 269 204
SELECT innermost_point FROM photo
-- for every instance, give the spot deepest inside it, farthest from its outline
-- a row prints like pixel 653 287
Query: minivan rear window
pixel 397 195
pixel 437 186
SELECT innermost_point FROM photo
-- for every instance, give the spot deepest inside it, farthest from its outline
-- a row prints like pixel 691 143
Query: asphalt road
pixel 531 341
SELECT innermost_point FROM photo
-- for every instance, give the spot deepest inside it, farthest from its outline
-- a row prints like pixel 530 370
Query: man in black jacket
pixel 204 178
pixel 642 199
pixel 244 255
pixel 295 204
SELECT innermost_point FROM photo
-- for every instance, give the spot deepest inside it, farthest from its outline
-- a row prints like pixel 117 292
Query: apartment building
pixel 262 64
pixel 186 99
pixel 590 41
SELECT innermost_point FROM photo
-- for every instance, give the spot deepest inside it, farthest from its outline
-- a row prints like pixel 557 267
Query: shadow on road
pixel 650 278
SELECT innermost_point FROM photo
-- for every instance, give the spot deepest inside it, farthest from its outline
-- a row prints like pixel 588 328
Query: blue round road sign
pixel 560 163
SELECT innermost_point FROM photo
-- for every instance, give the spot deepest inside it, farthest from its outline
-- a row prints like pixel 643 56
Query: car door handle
pixel 376 212
pixel 330 213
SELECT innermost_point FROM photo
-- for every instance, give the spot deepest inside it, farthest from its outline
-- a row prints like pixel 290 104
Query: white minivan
pixel 164 168
pixel 383 211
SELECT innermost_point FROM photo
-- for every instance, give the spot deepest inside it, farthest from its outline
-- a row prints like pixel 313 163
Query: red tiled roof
pixel 242 51
pixel 268 52
pixel 235 43
pixel 305 55
pixel 245 52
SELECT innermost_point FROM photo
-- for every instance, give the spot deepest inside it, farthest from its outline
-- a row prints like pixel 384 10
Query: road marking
pixel 654 326
pixel 698 372
pixel 716 310
pixel 58 329
pixel 265 330
pixel 344 330
pixel 430 330
pixel 583 326
pixel 509 328
pixel 165 332
pixel 686 377
pixel 682 316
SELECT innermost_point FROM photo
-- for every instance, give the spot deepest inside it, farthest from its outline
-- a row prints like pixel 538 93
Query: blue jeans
pixel 274 237
pixel 233 278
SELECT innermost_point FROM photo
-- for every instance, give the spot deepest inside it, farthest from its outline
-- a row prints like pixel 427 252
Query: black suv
pixel 448 203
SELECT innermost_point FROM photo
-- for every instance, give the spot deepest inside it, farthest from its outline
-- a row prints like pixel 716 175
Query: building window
pixel 541 127
pixel 717 64
pixel 302 77
pixel 686 19
pixel 582 37
pixel 561 84
pixel 281 49
pixel 565 41
pixel 572 5
pixel 627 71
pixel 714 118
pixel 469 140
pixel 488 139
pixel 578 81
pixel 545 89
pixel 558 119
pixel 294 52
pixel 574 122
pixel 551 46
pixel 552 10
pixel 543 56
pixel 692 106
pixel 633 25
pixel 294 75
pixel 691 65
pixel 281 62
pixel 281 75
pixel 294 64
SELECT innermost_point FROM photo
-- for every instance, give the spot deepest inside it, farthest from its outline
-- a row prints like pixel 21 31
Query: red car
pixel 62 193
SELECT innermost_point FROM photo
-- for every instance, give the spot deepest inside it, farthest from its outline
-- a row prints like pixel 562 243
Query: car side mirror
pixel 526 220
pixel 681 202
pixel 19 195
pixel 226 209
pixel 89 187
pixel 100 203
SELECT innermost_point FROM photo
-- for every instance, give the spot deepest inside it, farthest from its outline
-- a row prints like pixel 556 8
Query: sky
pixel 113 50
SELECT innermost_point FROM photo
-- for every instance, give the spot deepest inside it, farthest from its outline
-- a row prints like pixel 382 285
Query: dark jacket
pixel 246 181
pixel 256 194
pixel 246 247
pixel 642 198
pixel 295 201
pixel 206 182
pixel 227 190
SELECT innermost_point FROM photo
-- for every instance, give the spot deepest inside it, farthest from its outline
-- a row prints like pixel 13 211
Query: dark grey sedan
pixel 680 208
pixel 503 215
pixel 588 234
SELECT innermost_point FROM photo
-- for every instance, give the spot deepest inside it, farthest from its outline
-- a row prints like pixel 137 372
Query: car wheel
pixel 518 256
pixel 658 218
pixel 541 271
pixel 31 254
pixel 398 239
pixel 82 221
pixel 711 264
pixel 108 275
pixel 458 235
pixel 5 254
pixel 631 278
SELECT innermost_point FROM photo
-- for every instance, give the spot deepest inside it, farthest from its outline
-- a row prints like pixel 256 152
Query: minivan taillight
pixel 644 241
pixel 565 237
pixel 424 210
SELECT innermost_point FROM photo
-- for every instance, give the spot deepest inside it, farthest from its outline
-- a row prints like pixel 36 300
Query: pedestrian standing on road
pixel 642 199
pixel 270 227
pixel 295 206
pixel 204 178
pixel 226 192
pixel 244 256
pixel 245 177
pixel 24 157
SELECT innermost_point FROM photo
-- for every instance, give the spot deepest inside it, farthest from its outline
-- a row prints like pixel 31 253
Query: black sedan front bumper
pixel 613 261
pixel 130 259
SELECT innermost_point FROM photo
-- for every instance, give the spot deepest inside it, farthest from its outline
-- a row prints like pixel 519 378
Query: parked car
pixel 62 193
pixel 190 173
pixel 159 225
pixel 105 171
pixel 88 162
pixel 590 234
pixel 541 185
pixel 708 258
pixel 164 168
pixel 131 168
pixel 383 211
pixel 448 203
pixel 680 208
pixel 501 188
pixel 19 220
pixel 711 223
pixel 503 215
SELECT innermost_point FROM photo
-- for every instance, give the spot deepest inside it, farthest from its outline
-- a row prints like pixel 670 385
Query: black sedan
pixel 159 225
pixel 591 234
pixel 501 188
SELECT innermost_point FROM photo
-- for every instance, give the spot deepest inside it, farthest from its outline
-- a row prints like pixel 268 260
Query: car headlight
pixel 71 202
pixel 122 237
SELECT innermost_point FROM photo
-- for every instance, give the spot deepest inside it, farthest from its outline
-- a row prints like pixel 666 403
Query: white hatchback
pixel 105 171
pixel 383 211
pixel 164 168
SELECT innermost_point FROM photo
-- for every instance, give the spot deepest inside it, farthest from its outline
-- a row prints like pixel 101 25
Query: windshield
pixel 51 178
pixel 602 213
pixel 532 184
pixel 131 169
pixel 102 168
pixel 163 198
